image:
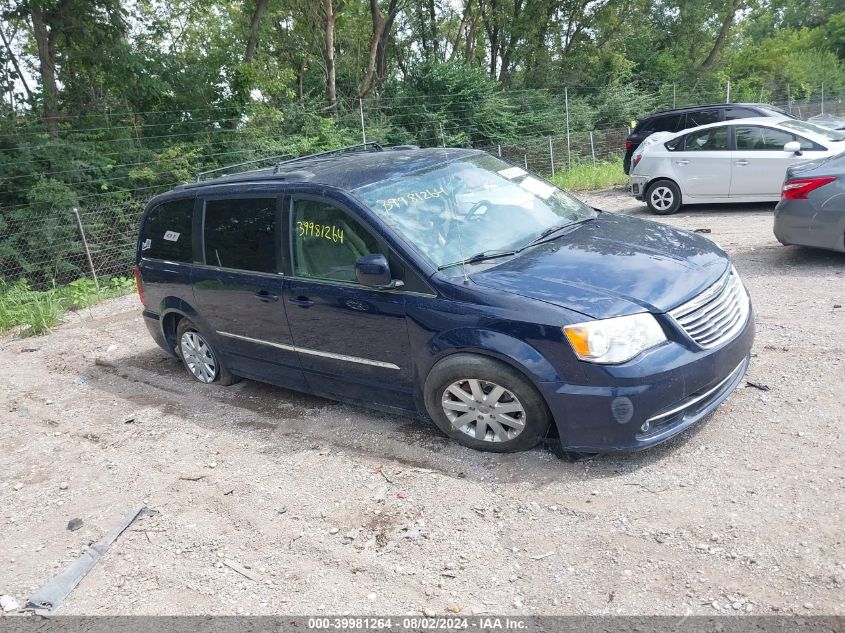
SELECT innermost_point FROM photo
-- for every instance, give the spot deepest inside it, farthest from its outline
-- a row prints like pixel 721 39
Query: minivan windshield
pixel 466 208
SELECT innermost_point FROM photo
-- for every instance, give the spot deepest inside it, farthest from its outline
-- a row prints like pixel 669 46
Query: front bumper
pixel 643 403
pixel 637 186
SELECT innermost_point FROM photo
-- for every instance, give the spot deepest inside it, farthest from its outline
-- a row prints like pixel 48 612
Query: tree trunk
pixel 254 28
pixel 491 26
pixel 727 23
pixel 328 54
pixel 47 66
pixel 15 64
pixel 472 34
pixel 381 23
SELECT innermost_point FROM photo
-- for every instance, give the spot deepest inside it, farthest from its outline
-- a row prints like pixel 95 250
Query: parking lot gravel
pixel 270 501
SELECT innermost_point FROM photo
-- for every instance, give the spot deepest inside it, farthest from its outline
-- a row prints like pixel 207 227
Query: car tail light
pixel 637 160
pixel 799 188
pixel 138 283
pixel 629 144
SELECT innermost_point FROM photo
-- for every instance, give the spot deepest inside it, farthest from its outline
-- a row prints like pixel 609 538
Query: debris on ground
pixel 757 385
pixel 50 596
pixel 74 524
pixel 243 571
pixel 8 604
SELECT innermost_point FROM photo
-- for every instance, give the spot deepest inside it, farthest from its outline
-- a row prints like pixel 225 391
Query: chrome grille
pixel 717 314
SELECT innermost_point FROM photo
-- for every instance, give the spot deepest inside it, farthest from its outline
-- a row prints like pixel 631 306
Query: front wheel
pixel 199 358
pixel 663 197
pixel 485 404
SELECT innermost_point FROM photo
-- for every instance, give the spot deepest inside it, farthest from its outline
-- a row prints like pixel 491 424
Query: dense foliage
pixel 105 103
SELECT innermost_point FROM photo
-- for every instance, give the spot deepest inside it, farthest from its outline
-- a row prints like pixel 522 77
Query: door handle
pixel 302 301
pixel 740 162
pixel 266 297
pixel 682 162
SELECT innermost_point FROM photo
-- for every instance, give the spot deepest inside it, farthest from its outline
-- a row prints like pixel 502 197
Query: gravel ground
pixel 334 509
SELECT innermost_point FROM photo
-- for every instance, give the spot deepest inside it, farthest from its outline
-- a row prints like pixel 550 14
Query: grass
pixel 36 311
pixel 588 177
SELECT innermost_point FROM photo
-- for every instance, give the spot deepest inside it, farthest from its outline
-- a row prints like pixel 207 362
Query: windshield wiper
pixel 552 230
pixel 478 257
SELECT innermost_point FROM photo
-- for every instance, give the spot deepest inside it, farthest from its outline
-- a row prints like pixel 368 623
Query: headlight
pixel 614 340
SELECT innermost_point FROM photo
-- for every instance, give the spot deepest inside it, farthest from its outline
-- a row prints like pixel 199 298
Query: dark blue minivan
pixel 449 284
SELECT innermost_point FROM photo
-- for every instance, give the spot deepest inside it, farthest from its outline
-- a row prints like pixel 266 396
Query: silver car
pixel 733 161
pixel 811 211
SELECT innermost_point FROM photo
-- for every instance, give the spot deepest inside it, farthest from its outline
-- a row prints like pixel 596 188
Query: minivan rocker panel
pixel 486 346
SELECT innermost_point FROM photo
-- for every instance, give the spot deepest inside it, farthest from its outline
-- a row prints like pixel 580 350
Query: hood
pixel 612 266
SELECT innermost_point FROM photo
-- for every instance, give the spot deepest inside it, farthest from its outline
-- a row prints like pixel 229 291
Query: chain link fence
pixel 51 248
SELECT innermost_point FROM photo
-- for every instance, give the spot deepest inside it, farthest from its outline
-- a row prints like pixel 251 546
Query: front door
pixel 239 288
pixel 703 167
pixel 352 340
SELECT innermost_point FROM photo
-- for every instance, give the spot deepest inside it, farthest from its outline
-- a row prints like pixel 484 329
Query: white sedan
pixel 744 160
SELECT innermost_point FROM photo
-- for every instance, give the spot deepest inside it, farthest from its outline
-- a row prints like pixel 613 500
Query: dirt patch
pixel 326 503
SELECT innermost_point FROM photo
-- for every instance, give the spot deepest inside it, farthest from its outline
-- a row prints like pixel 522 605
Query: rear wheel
pixel 485 404
pixel 663 197
pixel 199 358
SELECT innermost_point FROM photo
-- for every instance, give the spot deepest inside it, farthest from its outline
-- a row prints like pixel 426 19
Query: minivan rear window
pixel 241 234
pixel 167 232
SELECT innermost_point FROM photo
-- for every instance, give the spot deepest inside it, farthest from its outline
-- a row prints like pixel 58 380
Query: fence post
pixel 526 162
pixel 822 97
pixel 75 211
pixel 361 108
pixel 788 99
pixel 728 91
pixel 500 150
pixel 442 135
pixel 568 146
pixel 673 96
pixel 592 148
pixel 552 156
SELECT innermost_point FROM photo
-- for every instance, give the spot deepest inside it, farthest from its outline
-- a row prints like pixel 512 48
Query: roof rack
pixel 198 177
pixel 371 146
pixel 360 147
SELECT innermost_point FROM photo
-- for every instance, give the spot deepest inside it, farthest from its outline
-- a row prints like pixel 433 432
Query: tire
pixel 456 393
pixel 663 197
pixel 201 361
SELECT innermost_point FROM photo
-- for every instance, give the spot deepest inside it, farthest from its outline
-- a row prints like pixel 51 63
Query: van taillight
pixel 138 283
pixel 629 144
pixel 798 188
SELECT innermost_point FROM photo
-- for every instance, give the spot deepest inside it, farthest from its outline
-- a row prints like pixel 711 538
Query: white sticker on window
pixel 537 187
pixel 512 172
pixel 172 236
pixel 147 244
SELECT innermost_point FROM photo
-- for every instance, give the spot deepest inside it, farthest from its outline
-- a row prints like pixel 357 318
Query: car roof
pixel 708 106
pixel 347 171
pixel 768 121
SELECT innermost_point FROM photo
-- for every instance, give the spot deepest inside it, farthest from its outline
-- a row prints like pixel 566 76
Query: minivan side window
pixel 327 241
pixel 240 233
pixel 694 119
pixel 713 139
pixel 167 232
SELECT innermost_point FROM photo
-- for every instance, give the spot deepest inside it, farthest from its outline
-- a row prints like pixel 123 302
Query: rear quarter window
pixel 167 231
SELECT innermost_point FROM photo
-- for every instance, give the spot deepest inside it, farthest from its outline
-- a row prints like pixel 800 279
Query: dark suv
pixel 446 283
pixel 686 118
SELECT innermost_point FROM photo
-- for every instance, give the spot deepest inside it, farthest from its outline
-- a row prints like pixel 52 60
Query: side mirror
pixel 793 146
pixel 373 270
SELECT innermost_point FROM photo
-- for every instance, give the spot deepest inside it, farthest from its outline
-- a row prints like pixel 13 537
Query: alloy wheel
pixel 483 410
pixel 662 198
pixel 198 357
